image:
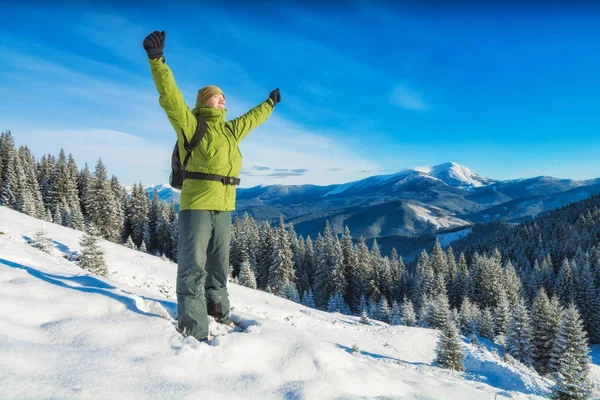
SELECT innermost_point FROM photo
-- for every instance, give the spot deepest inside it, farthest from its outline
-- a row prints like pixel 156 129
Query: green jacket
pixel 217 153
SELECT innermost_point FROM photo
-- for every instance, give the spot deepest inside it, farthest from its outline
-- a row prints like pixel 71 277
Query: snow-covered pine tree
pixel 264 255
pixel 519 335
pixel 501 314
pixel 92 255
pixel 408 313
pixel 348 266
pixel 13 183
pixel 153 221
pixel 569 362
pixel 468 317
pixel 289 292
pixel 138 216
pixel 84 187
pixel 511 283
pixel 336 303
pixel 42 242
pixel 7 151
pixel 437 312
pixel 460 283
pixel 322 273
pixel 398 270
pixel 565 283
pixel 545 323
pixel 304 274
pixel 587 300
pixel 383 310
pixel 438 260
pixel 35 206
pixel 119 195
pixel 103 207
pixel 376 261
pixel 449 351
pixel 395 314
pixel 424 280
pixel 338 273
pixel 281 270
pixel 129 243
pixel 486 324
pixel 361 274
pixel 488 280
pixel 308 299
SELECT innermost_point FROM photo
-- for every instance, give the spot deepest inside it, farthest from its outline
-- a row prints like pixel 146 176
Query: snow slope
pixel 67 334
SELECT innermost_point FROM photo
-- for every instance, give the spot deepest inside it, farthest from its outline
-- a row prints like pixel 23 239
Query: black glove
pixel 275 96
pixel 154 44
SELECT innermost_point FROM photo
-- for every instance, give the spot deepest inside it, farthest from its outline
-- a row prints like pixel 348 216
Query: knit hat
pixel 206 93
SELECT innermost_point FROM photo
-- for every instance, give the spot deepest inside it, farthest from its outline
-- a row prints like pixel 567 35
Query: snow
pixel 459 176
pixel 439 221
pixel 446 239
pixel 67 334
pixel 450 173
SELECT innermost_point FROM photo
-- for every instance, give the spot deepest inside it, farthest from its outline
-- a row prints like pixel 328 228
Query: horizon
pixel 504 90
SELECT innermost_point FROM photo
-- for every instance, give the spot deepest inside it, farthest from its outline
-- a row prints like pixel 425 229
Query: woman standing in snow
pixel 208 198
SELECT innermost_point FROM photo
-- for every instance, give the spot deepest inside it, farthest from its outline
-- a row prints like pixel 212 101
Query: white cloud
pixel 279 144
pixel 131 158
pixel 404 97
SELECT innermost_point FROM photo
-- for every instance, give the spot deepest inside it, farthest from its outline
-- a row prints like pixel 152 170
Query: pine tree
pixel 569 362
pixel 84 187
pixel 42 242
pixel 460 283
pixel 348 265
pixel 129 243
pixel 449 351
pixel 501 314
pixel 103 207
pixel 7 151
pixel 264 255
pixel 246 276
pixel 395 314
pixel 383 310
pixel 289 292
pixel 92 255
pixel 304 273
pixel 565 283
pixel 361 274
pixel 138 214
pixel 437 312
pixel 408 313
pixel 519 335
pixel 468 317
pixel 546 321
pixel 308 300
pixel 486 324
pixel 281 270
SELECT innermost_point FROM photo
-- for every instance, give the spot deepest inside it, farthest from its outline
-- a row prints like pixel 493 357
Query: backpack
pixel 178 172
pixel 177 168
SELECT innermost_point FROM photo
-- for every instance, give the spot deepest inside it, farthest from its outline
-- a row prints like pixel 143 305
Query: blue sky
pixel 367 88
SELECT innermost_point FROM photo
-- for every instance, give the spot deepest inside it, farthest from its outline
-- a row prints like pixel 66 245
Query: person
pixel 207 200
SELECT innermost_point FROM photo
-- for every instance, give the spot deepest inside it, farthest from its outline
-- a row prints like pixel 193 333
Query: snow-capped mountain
pixel 456 175
pixel 407 203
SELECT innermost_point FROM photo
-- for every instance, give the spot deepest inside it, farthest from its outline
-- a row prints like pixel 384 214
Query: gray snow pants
pixel 203 268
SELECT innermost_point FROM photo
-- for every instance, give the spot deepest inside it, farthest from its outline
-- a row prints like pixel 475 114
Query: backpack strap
pixel 192 144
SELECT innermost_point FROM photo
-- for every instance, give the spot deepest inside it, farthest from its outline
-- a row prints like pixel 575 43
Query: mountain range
pixel 408 203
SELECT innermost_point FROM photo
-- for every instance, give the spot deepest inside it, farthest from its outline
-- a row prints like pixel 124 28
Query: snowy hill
pixel 67 334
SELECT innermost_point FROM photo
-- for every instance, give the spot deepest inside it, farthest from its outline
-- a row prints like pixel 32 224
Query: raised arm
pixel 171 99
pixel 243 124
